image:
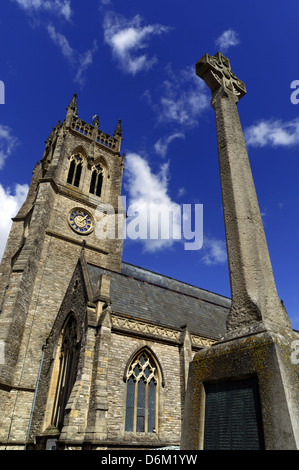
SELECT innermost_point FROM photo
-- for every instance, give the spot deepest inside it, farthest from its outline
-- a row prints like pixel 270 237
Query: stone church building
pixel 94 351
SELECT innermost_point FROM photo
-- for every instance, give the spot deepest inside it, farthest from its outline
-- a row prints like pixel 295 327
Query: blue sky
pixel 134 61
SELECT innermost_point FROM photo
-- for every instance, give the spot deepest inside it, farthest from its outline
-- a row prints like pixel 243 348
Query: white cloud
pixel 7 143
pixel 84 61
pixel 61 41
pixel 181 192
pixel 183 98
pixel 127 37
pixel 227 39
pixel 79 61
pixel 154 219
pixel 148 195
pixel 58 7
pixel 273 133
pixel 10 204
pixel 161 146
pixel 214 251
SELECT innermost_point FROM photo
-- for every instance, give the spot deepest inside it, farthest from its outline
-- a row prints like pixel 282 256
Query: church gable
pixel 62 362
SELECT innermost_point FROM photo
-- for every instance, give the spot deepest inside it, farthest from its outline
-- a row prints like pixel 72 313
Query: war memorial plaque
pixel 233 417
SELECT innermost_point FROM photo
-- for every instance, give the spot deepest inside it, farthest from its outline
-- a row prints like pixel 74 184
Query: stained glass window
pixel 141 401
pixel 151 406
pixel 130 404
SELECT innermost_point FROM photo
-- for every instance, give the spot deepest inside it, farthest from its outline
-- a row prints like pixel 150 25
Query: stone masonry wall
pixel 122 348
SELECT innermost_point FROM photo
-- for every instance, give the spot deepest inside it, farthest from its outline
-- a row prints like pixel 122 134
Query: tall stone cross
pixel 254 296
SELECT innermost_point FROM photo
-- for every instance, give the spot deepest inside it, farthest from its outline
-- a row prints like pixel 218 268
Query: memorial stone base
pixel 242 394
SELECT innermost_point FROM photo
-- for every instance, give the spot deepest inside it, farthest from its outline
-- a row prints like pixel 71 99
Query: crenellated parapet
pixel 92 131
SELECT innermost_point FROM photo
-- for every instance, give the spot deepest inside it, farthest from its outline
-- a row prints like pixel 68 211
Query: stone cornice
pixel 71 193
pixel 157 332
pixel 76 242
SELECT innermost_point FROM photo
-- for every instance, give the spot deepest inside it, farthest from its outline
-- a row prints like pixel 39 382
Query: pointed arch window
pixel 142 392
pixel 96 181
pixel 67 371
pixel 75 170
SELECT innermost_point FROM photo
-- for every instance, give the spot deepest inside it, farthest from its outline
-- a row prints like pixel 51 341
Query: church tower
pixel 78 178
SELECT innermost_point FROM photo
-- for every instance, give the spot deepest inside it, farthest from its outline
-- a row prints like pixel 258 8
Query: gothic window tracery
pixel 142 393
pixel 75 170
pixel 96 181
pixel 67 371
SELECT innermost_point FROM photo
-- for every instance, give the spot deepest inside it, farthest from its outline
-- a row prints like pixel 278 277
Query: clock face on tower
pixel 80 221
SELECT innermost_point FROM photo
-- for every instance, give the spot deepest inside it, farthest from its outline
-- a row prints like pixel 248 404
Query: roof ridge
pixel 177 280
pixel 164 287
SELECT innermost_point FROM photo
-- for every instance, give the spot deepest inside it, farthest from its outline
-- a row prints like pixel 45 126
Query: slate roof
pixel 148 296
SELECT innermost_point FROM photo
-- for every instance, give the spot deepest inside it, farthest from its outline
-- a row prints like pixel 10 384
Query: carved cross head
pixel 216 72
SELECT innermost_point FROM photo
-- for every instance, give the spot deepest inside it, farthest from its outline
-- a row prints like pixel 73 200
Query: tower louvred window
pixel 75 170
pixel 96 181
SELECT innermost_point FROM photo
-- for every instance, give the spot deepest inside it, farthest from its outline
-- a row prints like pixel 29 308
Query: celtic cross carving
pixel 216 72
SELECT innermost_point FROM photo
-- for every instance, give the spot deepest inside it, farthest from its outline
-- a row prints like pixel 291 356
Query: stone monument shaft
pixel 253 289
pixel 259 337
